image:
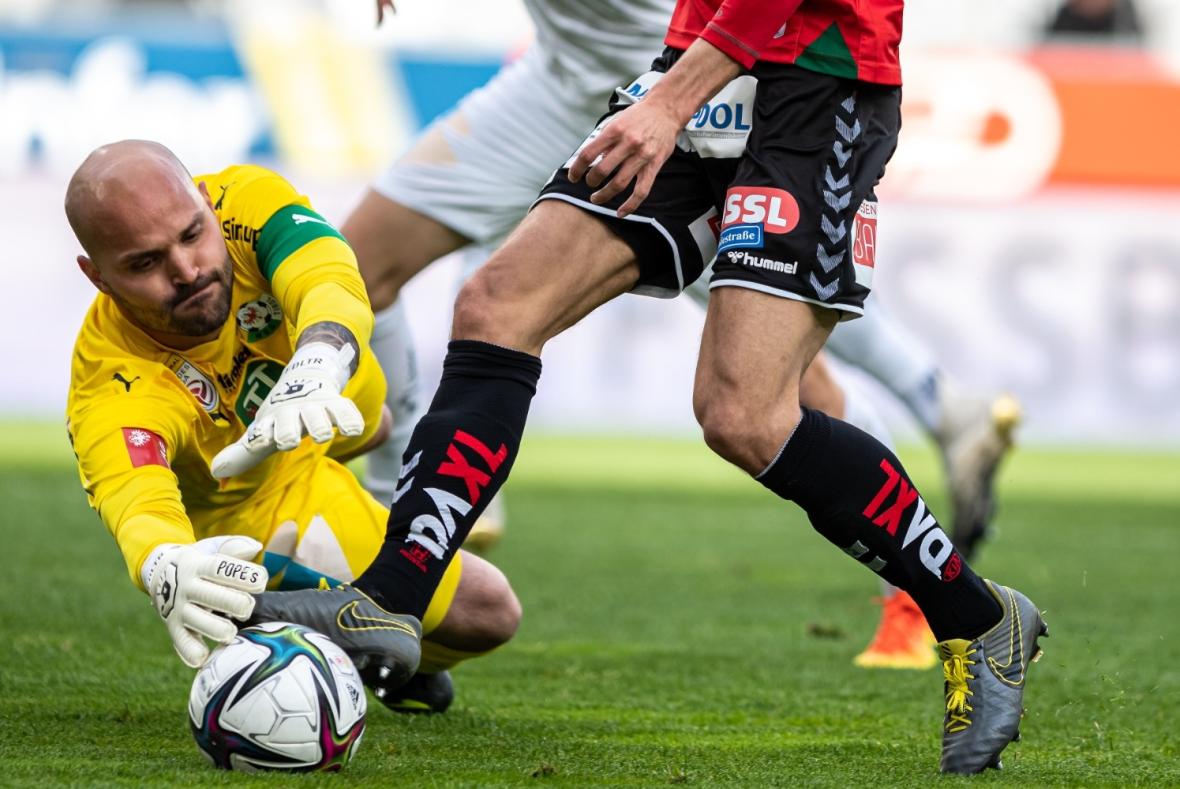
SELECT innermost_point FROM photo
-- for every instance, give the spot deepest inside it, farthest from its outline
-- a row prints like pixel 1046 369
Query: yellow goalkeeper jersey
pixel 145 420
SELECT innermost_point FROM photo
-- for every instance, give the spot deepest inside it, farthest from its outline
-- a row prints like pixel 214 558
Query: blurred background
pixel 1030 228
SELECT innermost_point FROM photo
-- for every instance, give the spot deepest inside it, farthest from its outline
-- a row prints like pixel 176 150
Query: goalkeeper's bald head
pixel 152 241
pixel 125 169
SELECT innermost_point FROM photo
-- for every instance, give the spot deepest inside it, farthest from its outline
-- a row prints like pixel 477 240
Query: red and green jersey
pixel 857 39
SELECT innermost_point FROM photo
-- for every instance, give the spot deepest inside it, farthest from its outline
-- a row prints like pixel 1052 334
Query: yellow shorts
pixel 322 530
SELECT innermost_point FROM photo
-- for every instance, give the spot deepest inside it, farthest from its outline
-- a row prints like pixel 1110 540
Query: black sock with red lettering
pixel 858 496
pixel 458 457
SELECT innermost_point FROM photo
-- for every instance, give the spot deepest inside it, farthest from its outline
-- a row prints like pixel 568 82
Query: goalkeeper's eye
pixel 191 233
pixel 144 263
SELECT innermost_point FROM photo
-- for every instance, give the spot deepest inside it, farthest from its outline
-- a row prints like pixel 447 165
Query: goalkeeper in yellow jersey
pixel 230 337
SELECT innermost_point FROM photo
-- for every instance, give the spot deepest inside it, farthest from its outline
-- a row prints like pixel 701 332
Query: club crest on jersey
pixel 198 384
pixel 260 318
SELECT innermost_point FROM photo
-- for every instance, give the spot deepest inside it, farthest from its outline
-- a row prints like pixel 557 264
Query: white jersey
pixel 590 43
pixel 479 168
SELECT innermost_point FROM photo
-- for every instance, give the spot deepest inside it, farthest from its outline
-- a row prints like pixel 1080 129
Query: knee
pixel 725 424
pixel 742 433
pixel 492 612
pixel 503 619
pixel 474 309
pixel 482 312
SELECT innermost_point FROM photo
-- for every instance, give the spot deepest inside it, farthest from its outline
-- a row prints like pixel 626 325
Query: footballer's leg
pixel 972 431
pixel 902 639
pixel 462 450
pixel 325 529
pixel 821 388
pixel 857 495
pixel 769 313
pixel 483 615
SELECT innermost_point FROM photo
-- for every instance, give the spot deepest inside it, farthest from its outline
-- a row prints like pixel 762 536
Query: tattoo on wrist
pixel 335 334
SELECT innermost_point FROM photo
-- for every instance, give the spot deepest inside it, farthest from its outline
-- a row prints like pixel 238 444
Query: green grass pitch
pixel 670 607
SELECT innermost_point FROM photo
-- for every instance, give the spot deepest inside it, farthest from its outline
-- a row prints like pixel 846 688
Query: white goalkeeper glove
pixel 191 584
pixel 306 399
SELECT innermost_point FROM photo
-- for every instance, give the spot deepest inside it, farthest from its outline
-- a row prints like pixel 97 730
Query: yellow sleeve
pixel 311 269
pixel 124 456
pixel 144 511
pixel 320 282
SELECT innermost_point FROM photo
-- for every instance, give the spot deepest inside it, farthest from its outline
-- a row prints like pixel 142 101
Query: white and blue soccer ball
pixel 278 697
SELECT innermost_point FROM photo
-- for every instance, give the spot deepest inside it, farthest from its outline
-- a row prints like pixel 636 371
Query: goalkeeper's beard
pixel 203 318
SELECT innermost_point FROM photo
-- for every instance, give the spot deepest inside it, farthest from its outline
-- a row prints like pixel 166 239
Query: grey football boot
pixel 985 685
pixel 372 636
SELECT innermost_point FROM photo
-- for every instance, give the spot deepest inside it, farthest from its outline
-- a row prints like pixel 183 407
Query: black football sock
pixel 858 496
pixel 458 457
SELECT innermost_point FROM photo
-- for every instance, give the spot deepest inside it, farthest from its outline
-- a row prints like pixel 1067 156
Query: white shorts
pixel 478 168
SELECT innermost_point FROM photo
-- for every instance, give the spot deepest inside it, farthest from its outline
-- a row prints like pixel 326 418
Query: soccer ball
pixel 278 697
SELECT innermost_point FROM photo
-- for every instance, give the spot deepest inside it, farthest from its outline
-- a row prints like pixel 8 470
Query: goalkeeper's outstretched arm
pixel 195 586
pixel 318 283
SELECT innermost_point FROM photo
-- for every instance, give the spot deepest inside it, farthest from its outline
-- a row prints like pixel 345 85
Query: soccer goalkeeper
pixel 226 302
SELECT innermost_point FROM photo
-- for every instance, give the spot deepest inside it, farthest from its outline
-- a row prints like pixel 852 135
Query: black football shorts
pixel 774 178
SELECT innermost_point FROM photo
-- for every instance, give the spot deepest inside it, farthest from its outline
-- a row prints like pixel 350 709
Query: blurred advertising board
pixel 301 92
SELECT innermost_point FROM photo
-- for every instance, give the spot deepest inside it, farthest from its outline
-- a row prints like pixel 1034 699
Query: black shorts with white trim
pixel 775 177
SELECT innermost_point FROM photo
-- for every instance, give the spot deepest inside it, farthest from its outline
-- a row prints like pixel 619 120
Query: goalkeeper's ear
pixel 93 274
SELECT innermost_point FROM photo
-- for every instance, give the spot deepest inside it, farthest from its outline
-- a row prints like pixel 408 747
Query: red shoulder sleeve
pixel 742 28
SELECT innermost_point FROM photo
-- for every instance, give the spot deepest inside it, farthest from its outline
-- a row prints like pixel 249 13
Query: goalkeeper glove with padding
pixel 306 399
pixel 190 585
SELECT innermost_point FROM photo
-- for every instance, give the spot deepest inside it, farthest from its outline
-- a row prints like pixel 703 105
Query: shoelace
pixel 955 671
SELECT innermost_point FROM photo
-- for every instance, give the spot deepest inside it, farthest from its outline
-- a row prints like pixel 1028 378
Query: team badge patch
pixel 196 382
pixel 260 318
pixel 144 447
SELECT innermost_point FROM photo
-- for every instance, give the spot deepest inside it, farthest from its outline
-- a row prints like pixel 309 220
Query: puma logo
pixel 300 219
pixel 119 377
pixel 221 197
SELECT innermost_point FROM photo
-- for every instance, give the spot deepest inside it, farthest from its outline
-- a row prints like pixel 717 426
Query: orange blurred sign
pixel 1120 117
pixel 995 126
